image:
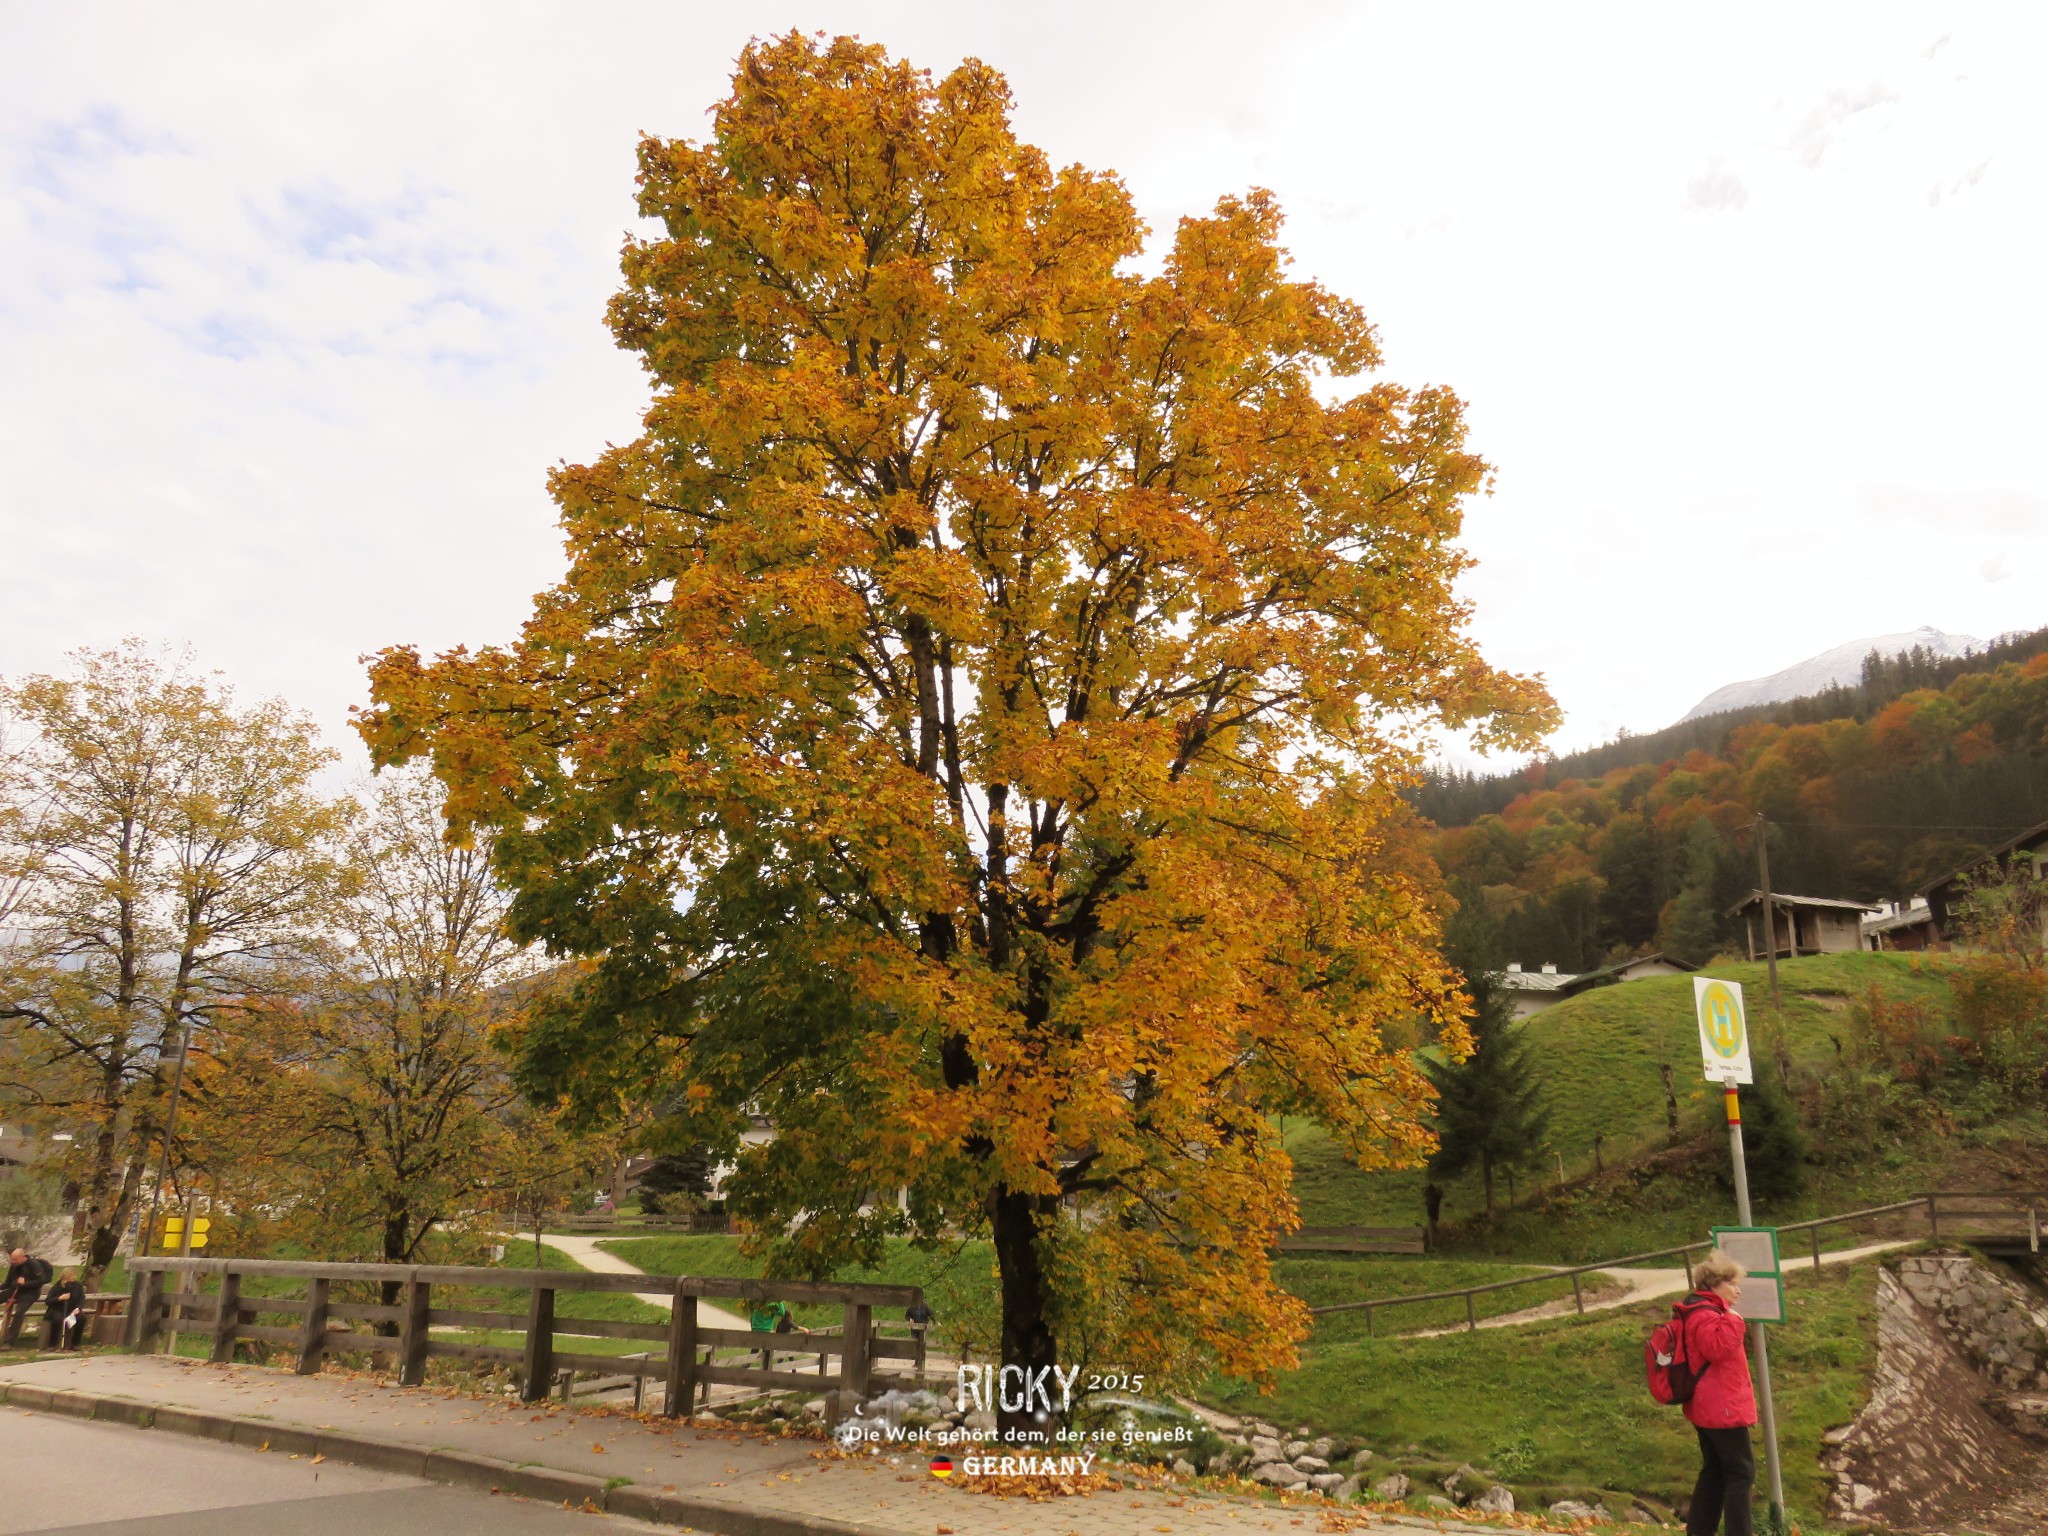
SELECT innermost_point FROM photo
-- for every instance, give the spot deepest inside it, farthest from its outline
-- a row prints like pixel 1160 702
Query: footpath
pixel 585 1251
pixel 696 1475
pixel 1642 1285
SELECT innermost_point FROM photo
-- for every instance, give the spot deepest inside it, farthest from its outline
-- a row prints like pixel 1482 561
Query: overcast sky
pixel 298 303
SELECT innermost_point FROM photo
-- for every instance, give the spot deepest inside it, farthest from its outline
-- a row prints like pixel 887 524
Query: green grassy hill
pixel 1601 1054
pixel 1558 1409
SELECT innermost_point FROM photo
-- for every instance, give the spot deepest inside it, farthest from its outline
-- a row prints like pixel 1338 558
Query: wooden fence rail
pixel 2013 1215
pixel 1353 1240
pixel 638 1226
pixel 404 1332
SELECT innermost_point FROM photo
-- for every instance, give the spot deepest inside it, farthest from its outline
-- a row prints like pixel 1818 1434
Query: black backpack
pixel 37 1272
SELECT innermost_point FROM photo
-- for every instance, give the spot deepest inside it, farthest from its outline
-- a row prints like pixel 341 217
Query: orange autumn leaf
pixel 969 732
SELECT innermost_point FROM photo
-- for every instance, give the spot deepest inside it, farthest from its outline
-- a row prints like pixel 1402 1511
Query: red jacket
pixel 1724 1398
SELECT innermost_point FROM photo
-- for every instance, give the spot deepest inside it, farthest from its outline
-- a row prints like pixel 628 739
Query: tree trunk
pixel 105 1241
pixel 397 1225
pixel 1027 1340
pixel 1486 1170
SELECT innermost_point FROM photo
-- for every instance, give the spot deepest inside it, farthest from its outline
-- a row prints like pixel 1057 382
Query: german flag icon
pixel 942 1466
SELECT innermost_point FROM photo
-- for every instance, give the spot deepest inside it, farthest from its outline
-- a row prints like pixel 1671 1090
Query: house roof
pixel 1534 981
pixel 1573 981
pixel 1912 917
pixel 2028 839
pixel 1778 899
pixel 1613 972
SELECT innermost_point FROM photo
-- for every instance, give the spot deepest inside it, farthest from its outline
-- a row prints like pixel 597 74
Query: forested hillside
pixel 1870 791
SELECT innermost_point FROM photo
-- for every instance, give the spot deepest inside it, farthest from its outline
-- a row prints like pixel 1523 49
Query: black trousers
pixel 1727 1477
pixel 17 1314
pixel 58 1335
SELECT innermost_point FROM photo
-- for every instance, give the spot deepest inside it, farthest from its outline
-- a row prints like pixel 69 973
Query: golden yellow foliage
pixel 969 729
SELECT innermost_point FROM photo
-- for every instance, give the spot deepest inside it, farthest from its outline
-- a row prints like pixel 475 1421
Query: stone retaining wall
pixel 1992 1319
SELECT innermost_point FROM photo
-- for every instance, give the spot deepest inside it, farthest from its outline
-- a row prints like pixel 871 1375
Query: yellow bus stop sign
pixel 1724 1033
pixel 173 1238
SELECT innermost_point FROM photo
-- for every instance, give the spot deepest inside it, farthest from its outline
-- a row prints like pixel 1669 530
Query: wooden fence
pixel 638 1226
pixel 1353 1240
pixel 404 1333
pixel 2003 1219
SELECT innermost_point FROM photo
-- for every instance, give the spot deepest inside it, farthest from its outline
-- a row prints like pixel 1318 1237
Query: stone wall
pixel 2001 1328
pixel 1933 1450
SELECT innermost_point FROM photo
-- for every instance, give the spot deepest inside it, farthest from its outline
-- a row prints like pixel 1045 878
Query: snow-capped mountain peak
pixel 1842 665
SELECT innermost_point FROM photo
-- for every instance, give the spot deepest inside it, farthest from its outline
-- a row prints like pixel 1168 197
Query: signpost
pixel 172 1233
pixel 1724 1053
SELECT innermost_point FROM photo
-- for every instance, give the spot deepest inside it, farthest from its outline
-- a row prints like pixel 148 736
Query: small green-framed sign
pixel 1756 1250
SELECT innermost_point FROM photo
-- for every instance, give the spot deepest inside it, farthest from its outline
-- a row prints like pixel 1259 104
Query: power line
pixel 1905 826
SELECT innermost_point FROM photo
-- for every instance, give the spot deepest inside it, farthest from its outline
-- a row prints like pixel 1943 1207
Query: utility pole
pixel 156 1193
pixel 1767 1411
pixel 1763 880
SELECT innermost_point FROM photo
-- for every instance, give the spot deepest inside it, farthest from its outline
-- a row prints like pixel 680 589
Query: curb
pixel 456 1468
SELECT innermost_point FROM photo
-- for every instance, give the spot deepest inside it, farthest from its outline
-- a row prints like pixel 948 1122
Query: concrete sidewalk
pixel 703 1478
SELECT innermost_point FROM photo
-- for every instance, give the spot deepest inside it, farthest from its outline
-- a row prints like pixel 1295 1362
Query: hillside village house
pixel 1802 925
pixel 2027 851
pixel 1533 991
pixel 1900 925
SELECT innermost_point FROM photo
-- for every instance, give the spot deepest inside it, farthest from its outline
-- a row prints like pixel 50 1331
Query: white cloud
pixel 298 304
pixel 1716 190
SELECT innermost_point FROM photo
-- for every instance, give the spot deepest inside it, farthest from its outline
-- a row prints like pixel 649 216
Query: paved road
pixel 89 1479
pixel 752 1475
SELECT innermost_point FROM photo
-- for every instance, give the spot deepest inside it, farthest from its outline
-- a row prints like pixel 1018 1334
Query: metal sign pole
pixel 1766 1409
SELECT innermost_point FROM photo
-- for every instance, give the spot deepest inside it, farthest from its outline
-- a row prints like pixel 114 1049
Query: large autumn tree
pixel 968 730
pixel 367 1109
pixel 165 854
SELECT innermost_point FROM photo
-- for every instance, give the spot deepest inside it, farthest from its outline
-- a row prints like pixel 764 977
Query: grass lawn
pixel 1326 1279
pixel 1601 1054
pixel 1557 1407
pixel 603 1306
pixel 959 1279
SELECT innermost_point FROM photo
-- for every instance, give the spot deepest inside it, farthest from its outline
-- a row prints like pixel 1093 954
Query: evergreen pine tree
pixel 686 1173
pixel 1490 1112
pixel 1773 1143
pixel 1692 923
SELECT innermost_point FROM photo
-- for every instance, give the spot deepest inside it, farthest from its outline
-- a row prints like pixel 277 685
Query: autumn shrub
pixel 1907 1038
pixel 2001 1020
pixel 1858 1109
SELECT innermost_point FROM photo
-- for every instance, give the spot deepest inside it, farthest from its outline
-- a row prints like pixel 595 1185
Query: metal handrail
pixel 1573 1272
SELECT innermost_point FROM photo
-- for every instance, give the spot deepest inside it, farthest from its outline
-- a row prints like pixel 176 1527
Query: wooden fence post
pixel 854 1356
pixel 1578 1295
pixel 227 1315
pixel 413 1334
pixel 682 1353
pixel 313 1337
pixel 1815 1231
pixel 540 1344
pixel 1471 1315
pixel 146 1309
pixel 1933 1219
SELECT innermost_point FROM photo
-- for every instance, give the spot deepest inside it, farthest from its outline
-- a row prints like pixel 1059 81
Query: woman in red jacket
pixel 1723 1404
